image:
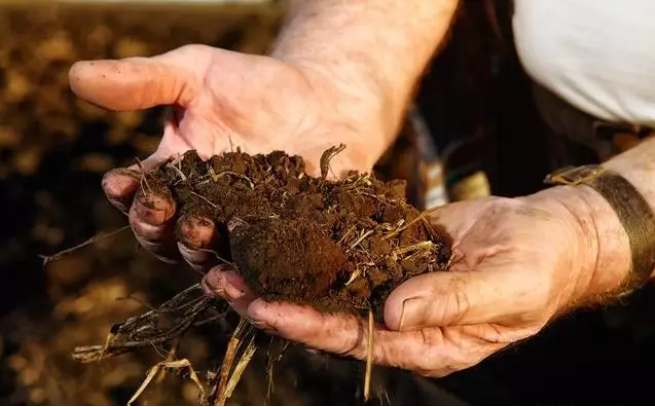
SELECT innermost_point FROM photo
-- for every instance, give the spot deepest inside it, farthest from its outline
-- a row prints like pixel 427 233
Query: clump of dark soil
pixel 340 246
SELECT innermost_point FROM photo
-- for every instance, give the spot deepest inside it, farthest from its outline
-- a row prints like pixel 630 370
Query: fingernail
pixel 221 285
pixel 313 351
pixel 211 290
pixel 119 178
pixel 120 185
pixel 263 326
pixel 409 315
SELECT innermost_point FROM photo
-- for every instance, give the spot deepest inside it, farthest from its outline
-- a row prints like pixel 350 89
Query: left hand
pixel 520 262
pixel 220 97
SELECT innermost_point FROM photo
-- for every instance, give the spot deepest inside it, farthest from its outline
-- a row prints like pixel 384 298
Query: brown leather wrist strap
pixel 634 213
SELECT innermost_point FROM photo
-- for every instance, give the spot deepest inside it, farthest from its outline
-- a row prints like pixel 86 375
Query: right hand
pixel 222 100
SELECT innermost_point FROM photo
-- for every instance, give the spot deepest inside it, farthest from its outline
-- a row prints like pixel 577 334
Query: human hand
pixel 223 100
pixel 519 263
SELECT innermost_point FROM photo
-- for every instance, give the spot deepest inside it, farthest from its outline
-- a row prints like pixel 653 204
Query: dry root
pixel 94 239
pixel 226 382
pixel 157 326
pixel 177 365
pixel 369 357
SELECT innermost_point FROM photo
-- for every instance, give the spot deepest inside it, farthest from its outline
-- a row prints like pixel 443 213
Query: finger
pixel 120 186
pixel 496 294
pixel 432 352
pixel 199 242
pixel 340 334
pixel 133 83
pixel 151 217
pixel 202 243
pixel 225 282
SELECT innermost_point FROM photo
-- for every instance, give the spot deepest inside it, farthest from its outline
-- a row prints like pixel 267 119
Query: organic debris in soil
pixel 340 246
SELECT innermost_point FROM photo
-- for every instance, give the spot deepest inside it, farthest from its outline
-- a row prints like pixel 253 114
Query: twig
pixel 210 319
pixel 246 357
pixel 215 177
pixel 369 357
pixel 94 239
pixel 143 175
pixel 361 239
pixel 346 234
pixel 178 364
pixel 353 276
pixel 151 328
pixel 220 396
pixel 204 199
pixel 327 156
pixel 400 229
pixel 425 245
pixel 179 171
pixel 169 358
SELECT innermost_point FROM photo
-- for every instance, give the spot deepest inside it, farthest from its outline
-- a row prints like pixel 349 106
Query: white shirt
pixel 599 55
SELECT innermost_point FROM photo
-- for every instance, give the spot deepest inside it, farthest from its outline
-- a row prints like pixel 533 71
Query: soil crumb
pixel 340 246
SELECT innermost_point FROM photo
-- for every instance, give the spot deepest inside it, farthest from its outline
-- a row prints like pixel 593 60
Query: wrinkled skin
pixel 518 262
pixel 221 100
pixel 504 286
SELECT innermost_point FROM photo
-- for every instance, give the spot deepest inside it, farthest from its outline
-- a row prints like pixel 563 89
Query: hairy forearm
pixel 372 51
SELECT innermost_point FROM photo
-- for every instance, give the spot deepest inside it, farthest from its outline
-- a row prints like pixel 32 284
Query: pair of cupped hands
pixel 517 260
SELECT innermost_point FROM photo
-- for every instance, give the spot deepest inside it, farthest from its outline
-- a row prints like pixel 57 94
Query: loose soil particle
pixel 340 246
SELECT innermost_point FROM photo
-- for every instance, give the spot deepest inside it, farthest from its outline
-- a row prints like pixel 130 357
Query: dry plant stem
pixel 426 245
pixel 154 327
pixel 327 156
pixel 169 358
pixel 400 229
pixel 178 364
pixel 369 357
pixel 352 228
pixel 246 357
pixel 143 176
pixel 361 239
pixel 220 396
pixel 204 199
pixel 179 171
pixel 353 276
pixel 94 239
pixel 215 177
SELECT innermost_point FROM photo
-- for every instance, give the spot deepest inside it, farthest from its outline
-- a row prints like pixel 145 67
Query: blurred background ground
pixel 54 149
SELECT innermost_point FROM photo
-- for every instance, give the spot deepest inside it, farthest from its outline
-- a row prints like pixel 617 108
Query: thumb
pixel 133 83
pixel 458 298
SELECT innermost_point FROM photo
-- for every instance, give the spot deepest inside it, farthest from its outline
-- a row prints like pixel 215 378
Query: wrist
pixel 601 252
